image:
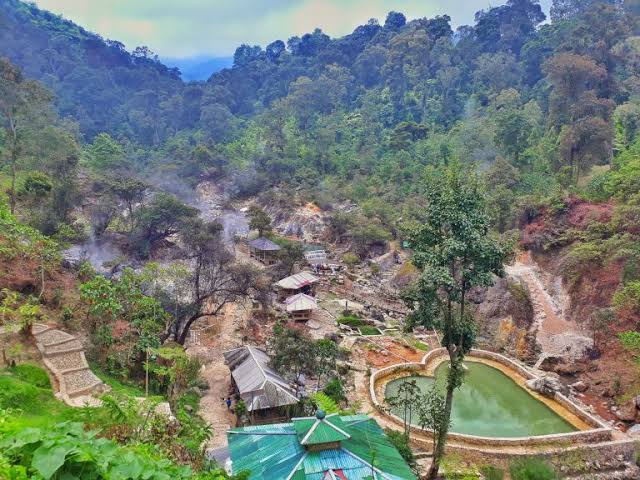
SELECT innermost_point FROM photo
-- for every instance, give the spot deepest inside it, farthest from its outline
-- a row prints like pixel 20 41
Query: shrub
pixel 350 259
pixel 628 297
pixel 68 451
pixel 631 342
pixel 334 390
pixel 532 469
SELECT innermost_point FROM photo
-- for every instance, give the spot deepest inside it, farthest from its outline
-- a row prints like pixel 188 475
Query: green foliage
pixel 68 451
pixel 368 330
pixel 21 241
pixel 628 297
pixel 532 469
pixel 492 473
pixel 162 217
pixel 401 443
pixel 32 374
pixel 631 341
pixel 335 391
pixel 124 299
pixel 352 321
pixel 259 220
pixel 105 153
pixel 325 402
pixel 350 259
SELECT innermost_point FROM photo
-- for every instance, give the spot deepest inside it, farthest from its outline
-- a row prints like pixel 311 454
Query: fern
pixel 323 402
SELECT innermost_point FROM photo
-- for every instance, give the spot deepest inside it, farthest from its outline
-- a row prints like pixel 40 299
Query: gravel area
pixel 69 360
pixel 53 336
pixel 81 379
pixel 36 329
pixel 63 347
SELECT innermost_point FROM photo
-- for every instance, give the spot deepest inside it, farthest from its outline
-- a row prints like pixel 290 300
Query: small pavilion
pixel 264 250
pixel 322 447
pixel 303 282
pixel 300 307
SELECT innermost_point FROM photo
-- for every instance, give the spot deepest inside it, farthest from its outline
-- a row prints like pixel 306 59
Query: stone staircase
pixel 63 355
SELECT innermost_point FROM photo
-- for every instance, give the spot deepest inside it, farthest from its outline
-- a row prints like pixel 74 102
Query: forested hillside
pixel 101 146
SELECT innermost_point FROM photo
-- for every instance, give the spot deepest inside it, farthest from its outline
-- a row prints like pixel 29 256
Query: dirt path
pixel 224 334
pixel 556 335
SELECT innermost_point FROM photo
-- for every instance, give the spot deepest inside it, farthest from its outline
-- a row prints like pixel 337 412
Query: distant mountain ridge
pixel 198 68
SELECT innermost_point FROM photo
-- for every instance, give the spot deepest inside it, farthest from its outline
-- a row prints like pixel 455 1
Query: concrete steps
pixel 63 354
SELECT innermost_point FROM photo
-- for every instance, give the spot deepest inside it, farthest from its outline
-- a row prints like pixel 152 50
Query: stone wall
pixel 599 433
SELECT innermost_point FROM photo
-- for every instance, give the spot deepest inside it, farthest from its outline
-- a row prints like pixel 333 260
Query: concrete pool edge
pixel 591 429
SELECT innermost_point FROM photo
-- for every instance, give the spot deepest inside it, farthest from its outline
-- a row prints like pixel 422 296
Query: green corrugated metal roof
pixel 366 438
pixel 274 452
pixel 321 429
pixel 268 451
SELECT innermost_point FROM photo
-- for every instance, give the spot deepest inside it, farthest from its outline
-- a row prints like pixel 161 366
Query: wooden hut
pixel 303 282
pixel 300 307
pixel 264 250
pixel 265 393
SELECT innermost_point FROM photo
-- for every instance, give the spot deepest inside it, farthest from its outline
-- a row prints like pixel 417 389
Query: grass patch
pixel 492 473
pixel 421 346
pixel 32 374
pixel 368 330
pixel 352 321
pixel 33 405
pixel 117 385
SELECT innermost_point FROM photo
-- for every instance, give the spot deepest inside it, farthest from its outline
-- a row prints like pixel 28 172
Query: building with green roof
pixel 323 447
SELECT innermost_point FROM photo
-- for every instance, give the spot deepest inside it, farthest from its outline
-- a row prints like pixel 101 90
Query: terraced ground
pixel 63 355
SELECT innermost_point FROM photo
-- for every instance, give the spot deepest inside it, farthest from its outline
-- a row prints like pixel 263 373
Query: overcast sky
pixel 183 28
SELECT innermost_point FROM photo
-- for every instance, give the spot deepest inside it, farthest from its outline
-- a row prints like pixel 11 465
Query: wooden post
pixel 146 377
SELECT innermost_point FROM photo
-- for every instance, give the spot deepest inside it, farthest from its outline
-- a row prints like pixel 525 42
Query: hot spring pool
pixel 490 404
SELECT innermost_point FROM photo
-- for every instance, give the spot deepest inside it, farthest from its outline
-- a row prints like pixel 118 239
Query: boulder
pixel 580 386
pixel 634 430
pixel 547 386
pixel 627 411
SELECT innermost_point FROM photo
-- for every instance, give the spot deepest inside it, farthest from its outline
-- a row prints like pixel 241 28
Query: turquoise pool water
pixel 490 404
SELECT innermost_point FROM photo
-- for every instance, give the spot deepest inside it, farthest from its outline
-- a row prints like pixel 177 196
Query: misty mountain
pixel 198 68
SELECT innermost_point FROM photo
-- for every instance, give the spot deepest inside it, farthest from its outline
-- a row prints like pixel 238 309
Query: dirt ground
pixel 382 352
pixel 219 335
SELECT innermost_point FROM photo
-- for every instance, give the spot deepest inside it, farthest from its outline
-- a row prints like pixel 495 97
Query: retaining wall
pixel 599 432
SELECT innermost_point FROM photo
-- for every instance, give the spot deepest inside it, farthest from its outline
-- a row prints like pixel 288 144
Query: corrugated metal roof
pixel 314 431
pixel 264 244
pixel 297 281
pixel 265 456
pixel 300 302
pixel 279 445
pixel 258 384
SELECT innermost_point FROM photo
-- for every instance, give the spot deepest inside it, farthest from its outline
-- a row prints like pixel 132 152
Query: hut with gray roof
pixel 266 394
pixel 264 250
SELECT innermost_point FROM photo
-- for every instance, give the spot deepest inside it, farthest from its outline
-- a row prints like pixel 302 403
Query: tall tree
pixel 455 252
pixel 23 105
pixel 213 281
pixel 569 9
pixel 259 220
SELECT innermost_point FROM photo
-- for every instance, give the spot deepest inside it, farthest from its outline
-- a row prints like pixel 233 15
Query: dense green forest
pixel 360 117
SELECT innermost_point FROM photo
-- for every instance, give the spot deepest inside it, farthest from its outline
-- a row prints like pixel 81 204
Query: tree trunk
pixel 441 440
pixel 14 173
